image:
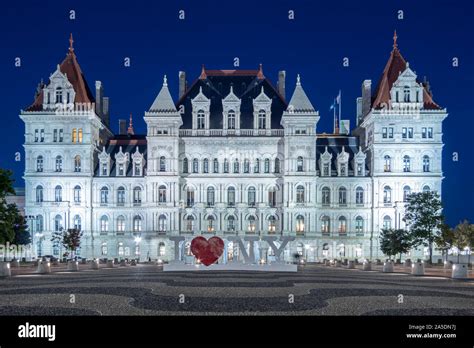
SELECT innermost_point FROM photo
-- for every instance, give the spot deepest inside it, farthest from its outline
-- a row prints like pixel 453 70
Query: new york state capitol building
pixel 231 157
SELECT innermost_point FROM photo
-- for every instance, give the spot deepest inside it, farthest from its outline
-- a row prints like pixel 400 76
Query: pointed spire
pixel 260 75
pixel 71 42
pixel 130 130
pixel 163 101
pixel 203 75
pixel 395 37
pixel 300 102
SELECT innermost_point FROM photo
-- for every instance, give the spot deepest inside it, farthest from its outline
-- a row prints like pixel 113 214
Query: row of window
pixel 387 164
pixel 58 135
pixel 58 164
pixel 407 132
pixel 231 119
pixel 236 166
pixel 387 193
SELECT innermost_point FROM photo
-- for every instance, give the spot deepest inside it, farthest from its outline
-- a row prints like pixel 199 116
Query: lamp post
pixel 32 222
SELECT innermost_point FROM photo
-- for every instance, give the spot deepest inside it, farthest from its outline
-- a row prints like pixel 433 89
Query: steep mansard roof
pixel 396 64
pixel 246 85
pixel 299 101
pixel 163 101
pixel 70 67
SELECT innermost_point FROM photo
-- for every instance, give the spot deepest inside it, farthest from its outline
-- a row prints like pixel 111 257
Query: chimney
pixel 122 127
pixel 182 83
pixel 99 94
pixel 281 83
pixel 366 97
pixel 105 110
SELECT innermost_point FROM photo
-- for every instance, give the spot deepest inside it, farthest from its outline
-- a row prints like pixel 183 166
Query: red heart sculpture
pixel 207 251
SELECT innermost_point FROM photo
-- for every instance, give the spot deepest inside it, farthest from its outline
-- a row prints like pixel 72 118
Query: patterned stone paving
pixel 317 290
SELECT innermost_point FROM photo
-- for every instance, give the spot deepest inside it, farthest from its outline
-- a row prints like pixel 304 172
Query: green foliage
pixel 70 239
pixel 393 242
pixel 423 218
pixel 9 214
pixel 446 238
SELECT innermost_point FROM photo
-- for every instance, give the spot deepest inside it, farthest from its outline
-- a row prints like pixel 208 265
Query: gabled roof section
pixel 70 67
pixel 299 101
pixel 163 101
pixel 396 64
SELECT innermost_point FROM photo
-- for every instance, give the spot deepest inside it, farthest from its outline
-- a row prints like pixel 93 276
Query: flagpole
pixel 335 122
pixel 340 107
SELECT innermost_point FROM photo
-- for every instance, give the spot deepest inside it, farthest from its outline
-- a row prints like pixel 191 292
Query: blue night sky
pixel 214 32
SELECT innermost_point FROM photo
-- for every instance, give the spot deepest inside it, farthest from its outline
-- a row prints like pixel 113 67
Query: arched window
pixel 246 166
pixel 190 197
pixel 426 163
pixel 195 165
pixel 226 165
pixel 266 166
pixel 325 225
pixel 185 165
pixel 77 163
pixel 162 194
pixel 39 194
pixel 59 164
pixel 387 222
pixel 210 223
pixel 74 135
pixel 77 222
pixel 406 192
pixel 59 95
pixel 58 223
pixel 262 119
pixel 162 164
pixel 277 165
pixel 299 164
pixel 271 224
pixel 231 196
pixel 205 166
pixel 342 225
pixel 58 194
pixel 359 225
pixel 236 166
pixel 137 224
pixel 120 224
pixel 231 119
pixel 426 188
pixel 251 196
pixel 359 195
pixel 342 196
pixel 104 195
pixel 162 223
pixel 387 163
pixel 137 196
pixel 77 194
pixel 211 196
pixel 231 224
pixel 299 224
pixel 39 223
pixel 272 197
pixel 190 223
pixel 200 119
pixel 104 224
pixel 299 194
pixel 406 163
pixel 39 163
pixel 121 195
pixel 216 165
pixel 251 224
pixel 387 194
pixel 161 249
pixel 256 168
pixel 326 196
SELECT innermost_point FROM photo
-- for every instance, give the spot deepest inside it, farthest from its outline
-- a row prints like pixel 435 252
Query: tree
pixel 8 212
pixel 393 242
pixel 463 237
pixel 423 217
pixel 445 239
pixel 70 239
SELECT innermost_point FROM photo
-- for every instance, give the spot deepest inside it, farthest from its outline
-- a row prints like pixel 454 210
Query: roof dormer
pixel 121 162
pixel 325 163
pixel 201 109
pixel 359 163
pixel 342 162
pixel 262 106
pixel 59 93
pixel 104 163
pixel 406 92
pixel 138 163
pixel 231 111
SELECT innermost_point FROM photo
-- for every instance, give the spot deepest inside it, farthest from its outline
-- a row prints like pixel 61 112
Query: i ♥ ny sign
pixel 207 251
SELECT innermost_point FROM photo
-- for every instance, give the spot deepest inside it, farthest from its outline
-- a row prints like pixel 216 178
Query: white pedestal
pixel 122 263
pixel 367 266
pixel 327 263
pixel 44 267
pixel 418 269
pixel 5 270
pixel 337 263
pixel 387 267
pixel 73 266
pixel 408 263
pixel 95 264
pixel 110 263
pixel 460 271
pixel 350 264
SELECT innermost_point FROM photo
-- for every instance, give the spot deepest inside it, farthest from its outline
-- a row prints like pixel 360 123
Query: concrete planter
pixel 387 267
pixel 408 263
pixel 73 266
pixel 5 270
pixel 123 263
pixel 15 263
pixel 337 263
pixel 448 265
pixel 110 263
pixel 95 264
pixel 44 267
pixel 418 269
pixel 367 266
pixel 55 263
pixel 327 263
pixel 378 262
pixel 350 264
pixel 460 271
pixel 133 263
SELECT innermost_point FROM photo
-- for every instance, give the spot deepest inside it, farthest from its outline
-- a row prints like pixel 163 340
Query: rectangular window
pixel 121 170
pixel 390 132
pixel 430 132
pixel 410 133
pixel 104 169
pixel 272 198
pixel 74 135
pixel 36 135
pixel 423 133
pixel 404 133
pixel 384 133
pixel 42 136
pixel 55 136
pixel 79 135
pixel 326 169
pixel 61 137
pixel 359 169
